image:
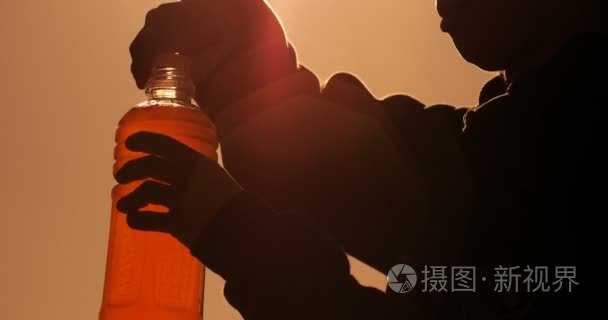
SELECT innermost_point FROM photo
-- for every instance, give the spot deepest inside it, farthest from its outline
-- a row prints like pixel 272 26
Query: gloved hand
pixel 191 186
pixel 237 46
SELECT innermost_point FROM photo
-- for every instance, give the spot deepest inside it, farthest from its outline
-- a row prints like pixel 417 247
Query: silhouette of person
pixel 321 171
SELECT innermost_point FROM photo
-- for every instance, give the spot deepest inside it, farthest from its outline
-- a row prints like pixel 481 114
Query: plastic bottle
pixel 150 275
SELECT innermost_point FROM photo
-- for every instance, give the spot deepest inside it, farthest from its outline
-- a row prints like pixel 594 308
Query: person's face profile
pixel 488 32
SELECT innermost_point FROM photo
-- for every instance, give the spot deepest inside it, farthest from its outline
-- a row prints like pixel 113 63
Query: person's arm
pixel 364 169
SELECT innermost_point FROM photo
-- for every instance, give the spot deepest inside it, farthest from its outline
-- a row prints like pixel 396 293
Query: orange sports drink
pixel 150 275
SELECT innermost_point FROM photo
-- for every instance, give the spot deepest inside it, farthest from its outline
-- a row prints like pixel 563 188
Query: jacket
pixel 330 170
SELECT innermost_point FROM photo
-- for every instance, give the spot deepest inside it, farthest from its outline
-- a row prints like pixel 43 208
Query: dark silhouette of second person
pixel 317 172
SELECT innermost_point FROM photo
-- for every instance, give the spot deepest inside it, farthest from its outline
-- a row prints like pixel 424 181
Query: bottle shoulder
pixel 167 111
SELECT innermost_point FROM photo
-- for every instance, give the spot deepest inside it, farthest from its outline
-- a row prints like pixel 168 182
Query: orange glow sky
pixel 66 83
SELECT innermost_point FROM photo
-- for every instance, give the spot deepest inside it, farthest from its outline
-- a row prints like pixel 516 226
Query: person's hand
pixel 191 186
pixel 236 46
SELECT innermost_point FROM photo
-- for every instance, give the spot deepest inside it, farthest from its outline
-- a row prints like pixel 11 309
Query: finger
pixel 148 167
pixel 162 146
pixel 149 221
pixel 150 192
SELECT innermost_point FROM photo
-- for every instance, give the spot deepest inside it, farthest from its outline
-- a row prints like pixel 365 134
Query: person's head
pixel 493 34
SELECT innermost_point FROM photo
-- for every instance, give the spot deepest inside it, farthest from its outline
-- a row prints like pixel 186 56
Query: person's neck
pixel 538 53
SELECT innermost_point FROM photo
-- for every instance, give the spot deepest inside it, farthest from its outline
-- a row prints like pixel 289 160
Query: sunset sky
pixel 66 83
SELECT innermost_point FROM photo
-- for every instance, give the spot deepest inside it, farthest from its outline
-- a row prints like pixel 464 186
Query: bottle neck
pixel 168 94
pixel 169 83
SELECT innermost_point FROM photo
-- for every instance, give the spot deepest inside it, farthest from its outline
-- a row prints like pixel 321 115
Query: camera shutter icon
pixel 402 278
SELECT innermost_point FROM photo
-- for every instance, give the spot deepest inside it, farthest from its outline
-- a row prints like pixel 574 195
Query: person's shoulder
pixel 348 90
